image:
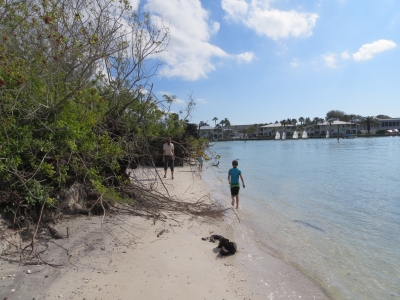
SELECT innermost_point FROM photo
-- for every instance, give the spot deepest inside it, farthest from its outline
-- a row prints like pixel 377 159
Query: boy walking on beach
pixel 233 179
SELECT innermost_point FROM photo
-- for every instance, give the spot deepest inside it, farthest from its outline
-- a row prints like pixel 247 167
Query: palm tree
pixel 284 123
pixel 215 119
pixel 316 121
pixel 222 123
pixel 201 124
pixel 369 122
pixel 330 121
pixel 301 120
pixel 218 126
pixel 227 124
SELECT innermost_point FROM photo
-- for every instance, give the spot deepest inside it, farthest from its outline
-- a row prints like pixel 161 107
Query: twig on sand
pixel 235 214
pixel 161 232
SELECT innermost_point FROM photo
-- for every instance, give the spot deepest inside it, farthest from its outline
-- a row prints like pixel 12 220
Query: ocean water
pixel 331 208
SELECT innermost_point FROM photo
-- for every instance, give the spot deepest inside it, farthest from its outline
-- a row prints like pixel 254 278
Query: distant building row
pixel 334 128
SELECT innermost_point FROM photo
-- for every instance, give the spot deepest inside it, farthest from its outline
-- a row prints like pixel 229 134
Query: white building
pixel 237 130
pixel 270 130
pixel 385 124
pixel 211 133
pixel 334 128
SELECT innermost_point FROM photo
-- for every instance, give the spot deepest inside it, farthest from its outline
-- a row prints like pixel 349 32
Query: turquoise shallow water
pixel 330 207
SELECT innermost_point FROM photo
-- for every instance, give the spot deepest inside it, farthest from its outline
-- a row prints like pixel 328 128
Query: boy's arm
pixel 241 177
pixel 173 152
pixel 229 178
pixel 163 153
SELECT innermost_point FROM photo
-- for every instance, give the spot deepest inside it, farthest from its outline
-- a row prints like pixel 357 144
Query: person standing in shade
pixel 233 179
pixel 168 157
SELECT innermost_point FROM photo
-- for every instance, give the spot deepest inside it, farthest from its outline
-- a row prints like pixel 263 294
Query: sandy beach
pixel 134 258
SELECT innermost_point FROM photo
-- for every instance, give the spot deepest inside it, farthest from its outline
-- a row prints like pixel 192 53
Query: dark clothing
pixel 168 161
pixel 235 190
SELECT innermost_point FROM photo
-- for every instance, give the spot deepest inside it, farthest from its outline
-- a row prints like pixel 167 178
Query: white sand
pixel 133 263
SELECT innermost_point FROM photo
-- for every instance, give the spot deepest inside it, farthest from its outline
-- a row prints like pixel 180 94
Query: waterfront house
pixel 334 128
pixel 211 133
pixel 385 124
pixel 241 131
pixel 270 130
pixel 238 130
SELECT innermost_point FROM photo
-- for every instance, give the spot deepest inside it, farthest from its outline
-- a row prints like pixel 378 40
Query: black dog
pixel 227 247
pixel 222 242
pixel 214 237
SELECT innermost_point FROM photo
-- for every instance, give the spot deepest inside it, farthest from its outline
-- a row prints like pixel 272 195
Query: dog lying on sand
pixel 227 247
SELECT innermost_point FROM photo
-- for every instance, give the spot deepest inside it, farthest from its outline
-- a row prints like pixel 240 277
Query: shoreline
pixel 125 259
pixel 272 275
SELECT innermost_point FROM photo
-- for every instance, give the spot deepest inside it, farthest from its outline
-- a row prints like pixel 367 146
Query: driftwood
pixel 54 233
pixel 144 200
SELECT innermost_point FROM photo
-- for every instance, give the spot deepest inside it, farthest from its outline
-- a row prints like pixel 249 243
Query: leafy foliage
pixel 334 115
pixel 75 99
pixel 382 117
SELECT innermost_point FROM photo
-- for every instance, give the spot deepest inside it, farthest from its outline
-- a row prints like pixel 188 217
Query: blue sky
pixel 258 61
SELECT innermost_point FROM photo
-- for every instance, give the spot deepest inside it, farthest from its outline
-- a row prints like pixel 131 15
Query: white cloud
pixel 235 9
pixel 295 63
pixel 283 48
pixel 189 54
pixel 345 55
pixel 367 51
pixel 215 27
pixel 330 59
pixel 246 57
pixel 273 23
pixel 179 101
pixel 201 101
pixel 164 93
